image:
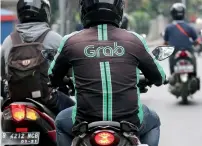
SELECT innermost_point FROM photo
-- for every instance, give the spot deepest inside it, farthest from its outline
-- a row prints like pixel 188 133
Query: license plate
pixel 25 138
pixel 184 69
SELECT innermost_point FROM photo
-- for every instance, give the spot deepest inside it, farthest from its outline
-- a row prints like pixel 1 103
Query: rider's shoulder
pixel 70 38
pixel 52 35
pixel 136 35
pixel 171 25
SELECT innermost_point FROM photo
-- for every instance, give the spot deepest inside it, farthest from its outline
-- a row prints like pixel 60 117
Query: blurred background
pixel 146 16
pixel 181 125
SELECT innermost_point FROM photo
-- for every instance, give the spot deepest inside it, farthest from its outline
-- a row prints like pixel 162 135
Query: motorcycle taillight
pixel 183 54
pixel 18 112
pixel 104 138
pixel 31 114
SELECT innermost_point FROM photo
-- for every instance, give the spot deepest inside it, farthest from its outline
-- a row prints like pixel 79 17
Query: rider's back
pixel 105 62
pixel 177 38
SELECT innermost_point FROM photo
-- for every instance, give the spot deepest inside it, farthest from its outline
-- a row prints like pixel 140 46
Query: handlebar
pixel 143 83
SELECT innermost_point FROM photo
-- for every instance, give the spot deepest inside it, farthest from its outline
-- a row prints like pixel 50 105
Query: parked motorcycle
pixel 184 82
pixel 111 133
pixel 28 122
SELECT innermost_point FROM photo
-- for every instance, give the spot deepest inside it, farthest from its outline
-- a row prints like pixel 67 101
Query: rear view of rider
pixel 180 34
pixel 106 61
pixel 34 17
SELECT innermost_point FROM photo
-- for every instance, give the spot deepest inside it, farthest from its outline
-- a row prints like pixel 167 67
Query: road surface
pixel 181 125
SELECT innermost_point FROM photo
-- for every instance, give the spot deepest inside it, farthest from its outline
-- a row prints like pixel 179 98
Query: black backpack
pixel 27 69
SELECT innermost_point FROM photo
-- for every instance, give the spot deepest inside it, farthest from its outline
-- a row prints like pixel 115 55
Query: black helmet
pixel 94 12
pixel 125 21
pixel 34 11
pixel 178 11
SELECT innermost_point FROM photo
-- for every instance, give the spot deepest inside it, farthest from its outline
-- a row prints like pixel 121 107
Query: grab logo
pixel 91 51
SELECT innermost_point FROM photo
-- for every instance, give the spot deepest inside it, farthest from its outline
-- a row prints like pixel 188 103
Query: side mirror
pixel 49 54
pixel 163 52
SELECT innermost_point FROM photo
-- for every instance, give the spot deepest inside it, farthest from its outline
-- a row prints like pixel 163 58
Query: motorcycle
pixel 28 122
pixel 112 133
pixel 184 82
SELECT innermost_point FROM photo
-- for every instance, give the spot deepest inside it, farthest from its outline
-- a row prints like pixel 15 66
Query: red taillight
pixel 21 129
pixel 104 138
pixel 183 54
pixel 18 112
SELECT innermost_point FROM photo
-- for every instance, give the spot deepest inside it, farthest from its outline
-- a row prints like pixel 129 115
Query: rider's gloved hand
pixel 52 82
pixel 166 82
pixel 143 90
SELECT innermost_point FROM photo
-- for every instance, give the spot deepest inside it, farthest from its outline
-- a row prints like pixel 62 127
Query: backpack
pixel 27 69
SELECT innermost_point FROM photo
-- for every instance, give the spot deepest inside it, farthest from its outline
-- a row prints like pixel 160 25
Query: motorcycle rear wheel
pixel 185 99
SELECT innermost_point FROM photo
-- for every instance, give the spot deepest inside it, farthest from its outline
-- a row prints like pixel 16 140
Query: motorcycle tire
pixel 185 99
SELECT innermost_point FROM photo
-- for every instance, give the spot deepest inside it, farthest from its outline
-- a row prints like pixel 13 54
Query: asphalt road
pixel 181 125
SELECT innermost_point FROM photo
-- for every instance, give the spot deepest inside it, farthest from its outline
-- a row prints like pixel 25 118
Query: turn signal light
pixel 104 138
pixel 31 114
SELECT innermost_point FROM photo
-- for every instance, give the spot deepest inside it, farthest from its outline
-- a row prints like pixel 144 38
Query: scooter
pixel 184 82
pixel 27 123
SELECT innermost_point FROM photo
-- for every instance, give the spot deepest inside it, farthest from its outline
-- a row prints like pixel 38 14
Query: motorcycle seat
pixel 104 123
pixel 123 126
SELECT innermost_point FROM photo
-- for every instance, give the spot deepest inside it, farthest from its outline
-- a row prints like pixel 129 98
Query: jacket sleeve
pixel 149 65
pixel 60 65
pixel 52 40
pixel 6 46
pixel 2 64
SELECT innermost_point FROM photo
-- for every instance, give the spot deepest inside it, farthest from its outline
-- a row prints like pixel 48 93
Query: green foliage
pixel 139 21
pixel 54 10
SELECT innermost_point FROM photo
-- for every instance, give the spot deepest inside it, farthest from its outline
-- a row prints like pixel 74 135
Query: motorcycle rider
pixel 179 33
pixel 101 73
pixel 34 17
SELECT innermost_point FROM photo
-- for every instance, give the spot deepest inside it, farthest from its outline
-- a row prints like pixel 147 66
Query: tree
pixel 54 10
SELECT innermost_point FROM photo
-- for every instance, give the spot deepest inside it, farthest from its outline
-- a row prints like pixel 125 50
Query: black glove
pixel 143 90
pixel 54 82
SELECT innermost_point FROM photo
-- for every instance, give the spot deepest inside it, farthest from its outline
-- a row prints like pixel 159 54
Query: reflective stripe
pixel 140 113
pixel 74 110
pixel 104 91
pixel 105 35
pixel 100 36
pixel 109 93
pixel 106 78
